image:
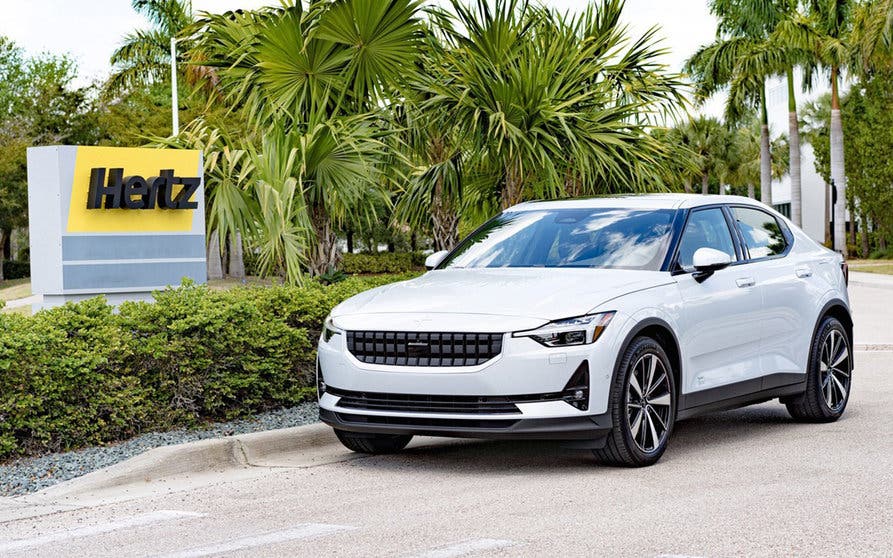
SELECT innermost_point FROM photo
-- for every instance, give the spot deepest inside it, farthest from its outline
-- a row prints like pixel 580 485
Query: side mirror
pixel 435 258
pixel 708 260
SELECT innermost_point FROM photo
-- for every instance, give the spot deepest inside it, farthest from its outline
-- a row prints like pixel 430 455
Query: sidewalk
pixel 871 297
pixel 20 302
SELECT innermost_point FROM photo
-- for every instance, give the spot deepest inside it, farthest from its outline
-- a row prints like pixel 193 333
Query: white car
pixel 600 322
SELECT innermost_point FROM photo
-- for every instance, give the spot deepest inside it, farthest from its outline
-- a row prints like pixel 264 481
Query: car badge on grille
pixel 416 349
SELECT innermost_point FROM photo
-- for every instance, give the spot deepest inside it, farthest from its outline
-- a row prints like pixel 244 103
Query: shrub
pixel 383 262
pixel 16 270
pixel 83 374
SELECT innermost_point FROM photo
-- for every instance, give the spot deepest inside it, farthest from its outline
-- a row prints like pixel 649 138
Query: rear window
pixel 763 234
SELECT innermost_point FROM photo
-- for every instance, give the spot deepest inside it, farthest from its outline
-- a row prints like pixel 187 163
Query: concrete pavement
pixel 748 482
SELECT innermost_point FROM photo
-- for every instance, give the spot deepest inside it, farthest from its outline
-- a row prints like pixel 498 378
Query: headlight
pixel 329 330
pixel 581 330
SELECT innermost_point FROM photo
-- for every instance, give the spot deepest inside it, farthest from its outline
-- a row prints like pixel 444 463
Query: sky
pixel 90 30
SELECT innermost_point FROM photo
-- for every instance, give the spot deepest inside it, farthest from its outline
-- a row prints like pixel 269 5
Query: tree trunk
pixel 687 185
pixel 866 247
pixel 236 257
pixel 794 146
pixel 751 192
pixel 705 184
pixel 765 154
pixel 444 220
pixel 350 242
pixel 324 254
pixel 852 210
pixel 838 172
pixel 215 264
pixel 828 212
pixel 2 251
pixel 512 191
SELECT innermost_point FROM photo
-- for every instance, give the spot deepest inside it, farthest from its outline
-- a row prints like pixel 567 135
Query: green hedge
pixel 82 374
pixel 383 262
pixel 16 270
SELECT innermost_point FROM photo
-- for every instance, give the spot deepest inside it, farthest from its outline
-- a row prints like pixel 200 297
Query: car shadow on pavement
pixel 722 433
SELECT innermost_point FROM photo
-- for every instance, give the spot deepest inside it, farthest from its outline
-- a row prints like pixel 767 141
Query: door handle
pixel 745 282
pixel 803 272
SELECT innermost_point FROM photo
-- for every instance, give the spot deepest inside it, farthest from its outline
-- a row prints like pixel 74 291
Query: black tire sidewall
pixel 637 349
pixel 829 324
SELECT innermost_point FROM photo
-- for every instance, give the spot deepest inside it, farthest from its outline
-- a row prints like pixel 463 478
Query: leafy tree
pixel 38 106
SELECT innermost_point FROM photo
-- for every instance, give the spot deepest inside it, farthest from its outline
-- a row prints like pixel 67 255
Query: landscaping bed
pixel 83 375
pixel 30 474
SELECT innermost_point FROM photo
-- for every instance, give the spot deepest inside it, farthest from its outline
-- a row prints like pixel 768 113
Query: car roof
pixel 636 201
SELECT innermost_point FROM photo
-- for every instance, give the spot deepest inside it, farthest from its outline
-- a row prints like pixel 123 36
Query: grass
pixel 15 288
pixel 874 267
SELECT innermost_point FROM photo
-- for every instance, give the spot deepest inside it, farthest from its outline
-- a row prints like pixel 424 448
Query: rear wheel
pixel 643 406
pixel 362 442
pixel 828 377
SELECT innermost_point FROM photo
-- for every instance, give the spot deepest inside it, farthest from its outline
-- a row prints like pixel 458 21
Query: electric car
pixel 600 322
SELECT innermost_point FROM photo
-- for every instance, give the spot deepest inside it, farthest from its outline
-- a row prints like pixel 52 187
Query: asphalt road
pixel 748 482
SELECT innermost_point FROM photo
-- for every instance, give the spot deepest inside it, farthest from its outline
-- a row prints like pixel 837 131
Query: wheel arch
pixel 836 308
pixel 660 331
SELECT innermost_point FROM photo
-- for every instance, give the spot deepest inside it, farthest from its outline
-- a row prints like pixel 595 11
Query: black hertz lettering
pixel 164 191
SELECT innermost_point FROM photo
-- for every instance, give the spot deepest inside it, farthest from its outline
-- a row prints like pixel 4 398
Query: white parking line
pixel 92 530
pixel 304 531
pixel 465 548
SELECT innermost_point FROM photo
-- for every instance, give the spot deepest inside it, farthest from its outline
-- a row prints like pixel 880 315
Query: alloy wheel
pixel 648 402
pixel 834 370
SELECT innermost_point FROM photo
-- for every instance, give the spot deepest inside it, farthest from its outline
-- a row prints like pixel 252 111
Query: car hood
pixel 495 299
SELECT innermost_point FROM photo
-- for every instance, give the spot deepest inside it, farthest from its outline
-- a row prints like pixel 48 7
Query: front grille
pixel 421 422
pixel 408 403
pixel 403 348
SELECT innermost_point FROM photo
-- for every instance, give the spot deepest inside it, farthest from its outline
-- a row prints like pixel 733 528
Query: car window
pixel 616 238
pixel 762 232
pixel 706 228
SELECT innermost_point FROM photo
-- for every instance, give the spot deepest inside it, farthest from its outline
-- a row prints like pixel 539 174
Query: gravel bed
pixel 35 473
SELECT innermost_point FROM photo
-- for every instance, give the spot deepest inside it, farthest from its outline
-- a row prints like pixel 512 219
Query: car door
pixel 782 278
pixel 720 315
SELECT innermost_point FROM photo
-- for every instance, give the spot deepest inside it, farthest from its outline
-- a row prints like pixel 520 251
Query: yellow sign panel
pixel 134 162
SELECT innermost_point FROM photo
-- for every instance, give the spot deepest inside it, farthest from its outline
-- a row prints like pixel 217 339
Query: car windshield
pixel 592 237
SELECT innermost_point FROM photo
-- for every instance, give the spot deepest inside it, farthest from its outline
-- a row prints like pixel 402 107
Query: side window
pixel 706 228
pixel 762 232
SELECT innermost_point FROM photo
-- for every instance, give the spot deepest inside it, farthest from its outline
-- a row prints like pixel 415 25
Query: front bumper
pixel 593 428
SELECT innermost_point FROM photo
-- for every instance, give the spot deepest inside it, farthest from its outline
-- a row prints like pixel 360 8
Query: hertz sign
pixel 136 192
pixel 121 222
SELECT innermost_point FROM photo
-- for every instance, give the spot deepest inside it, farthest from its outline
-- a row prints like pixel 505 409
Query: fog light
pixel 576 392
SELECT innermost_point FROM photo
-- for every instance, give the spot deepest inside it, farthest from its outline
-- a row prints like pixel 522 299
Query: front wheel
pixel 643 406
pixel 828 377
pixel 361 442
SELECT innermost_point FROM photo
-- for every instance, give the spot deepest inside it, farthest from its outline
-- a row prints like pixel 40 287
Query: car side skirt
pixel 740 394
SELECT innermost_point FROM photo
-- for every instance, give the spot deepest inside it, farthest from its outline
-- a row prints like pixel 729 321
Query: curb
pixel 216 455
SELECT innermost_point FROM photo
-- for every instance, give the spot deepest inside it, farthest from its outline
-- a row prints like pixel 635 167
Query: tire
pixel 372 443
pixel 636 408
pixel 827 387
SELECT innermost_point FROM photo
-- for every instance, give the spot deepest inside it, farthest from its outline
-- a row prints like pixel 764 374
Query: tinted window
pixel 597 238
pixel 706 228
pixel 762 233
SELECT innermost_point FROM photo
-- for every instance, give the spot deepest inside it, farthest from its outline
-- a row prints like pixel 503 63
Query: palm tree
pixel 824 31
pixel 709 140
pixel 550 105
pixel 144 56
pixel 308 71
pixel 742 58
